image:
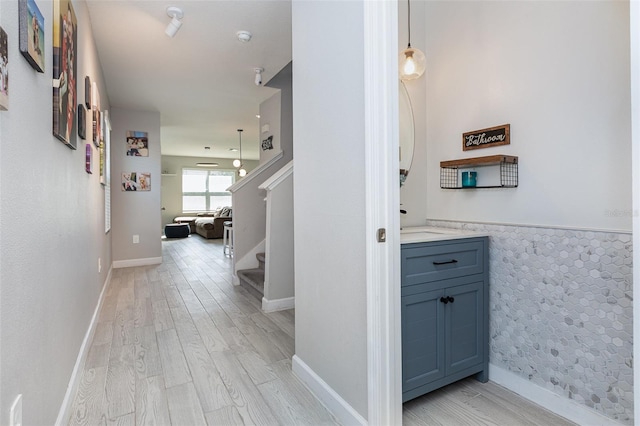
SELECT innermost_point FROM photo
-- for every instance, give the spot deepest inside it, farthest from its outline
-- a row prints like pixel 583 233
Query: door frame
pixel 384 352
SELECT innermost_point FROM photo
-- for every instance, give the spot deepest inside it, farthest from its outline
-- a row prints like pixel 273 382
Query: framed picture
pixel 87 92
pixel 97 130
pixel 87 163
pixel 136 181
pixel 4 71
pixel 31 33
pixel 137 144
pixel 65 48
pixel 82 122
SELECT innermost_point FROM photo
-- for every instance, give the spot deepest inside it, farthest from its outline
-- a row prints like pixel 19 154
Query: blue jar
pixel 469 179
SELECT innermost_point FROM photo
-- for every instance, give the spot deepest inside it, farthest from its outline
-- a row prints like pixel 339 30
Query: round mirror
pixel 405 114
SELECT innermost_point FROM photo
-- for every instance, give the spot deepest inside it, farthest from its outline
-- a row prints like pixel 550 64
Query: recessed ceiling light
pixel 233 149
pixel 207 164
pixel 257 115
pixel 244 36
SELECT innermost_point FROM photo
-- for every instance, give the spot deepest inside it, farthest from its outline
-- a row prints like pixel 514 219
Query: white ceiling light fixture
pixel 207 164
pixel 258 79
pixel 412 61
pixel 175 13
pixel 244 36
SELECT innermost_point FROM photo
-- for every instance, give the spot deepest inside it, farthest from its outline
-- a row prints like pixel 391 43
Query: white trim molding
pixel 634 30
pixel 278 304
pixel 278 177
pixel 341 409
pixel 382 191
pixel 117 264
pixel 558 404
pixel 64 415
pixel 255 172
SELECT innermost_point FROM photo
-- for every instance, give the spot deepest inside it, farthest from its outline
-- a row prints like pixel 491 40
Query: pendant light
pixel 242 172
pixel 412 61
pixel 237 163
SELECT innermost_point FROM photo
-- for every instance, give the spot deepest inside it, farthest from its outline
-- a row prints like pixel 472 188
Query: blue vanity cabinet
pixel 444 313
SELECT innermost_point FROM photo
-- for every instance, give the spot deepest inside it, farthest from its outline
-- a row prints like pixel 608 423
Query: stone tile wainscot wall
pixel 561 311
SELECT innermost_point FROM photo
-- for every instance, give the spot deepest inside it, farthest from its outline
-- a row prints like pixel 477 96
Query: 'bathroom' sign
pixel 493 136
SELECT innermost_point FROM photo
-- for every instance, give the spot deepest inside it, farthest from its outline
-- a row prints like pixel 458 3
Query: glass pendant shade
pixel 237 163
pixel 412 64
pixel 242 172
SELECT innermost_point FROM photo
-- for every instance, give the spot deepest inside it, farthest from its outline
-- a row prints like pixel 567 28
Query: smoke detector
pixel 244 36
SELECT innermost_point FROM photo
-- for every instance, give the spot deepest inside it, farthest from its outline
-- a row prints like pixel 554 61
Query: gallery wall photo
pixel 65 49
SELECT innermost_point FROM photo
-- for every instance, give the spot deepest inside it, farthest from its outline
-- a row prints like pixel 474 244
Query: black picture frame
pixel 87 92
pixel 32 34
pixel 82 122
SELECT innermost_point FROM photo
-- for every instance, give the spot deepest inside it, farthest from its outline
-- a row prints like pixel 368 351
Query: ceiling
pixel 202 80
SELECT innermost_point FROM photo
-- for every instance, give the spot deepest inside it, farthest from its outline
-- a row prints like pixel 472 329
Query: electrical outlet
pixel 15 415
pixel 99 265
pixel 136 239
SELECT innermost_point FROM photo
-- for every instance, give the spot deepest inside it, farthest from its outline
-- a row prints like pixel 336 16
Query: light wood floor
pixel 178 344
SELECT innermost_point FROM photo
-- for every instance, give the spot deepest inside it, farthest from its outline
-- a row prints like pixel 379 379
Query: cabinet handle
pixel 444 300
pixel 446 262
pixel 450 299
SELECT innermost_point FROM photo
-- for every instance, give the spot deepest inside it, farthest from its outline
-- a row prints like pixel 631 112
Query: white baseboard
pixel 137 262
pixel 64 414
pixel 278 304
pixel 567 408
pixel 342 411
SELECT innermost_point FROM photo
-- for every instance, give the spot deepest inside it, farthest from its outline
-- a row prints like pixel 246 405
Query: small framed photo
pixel 31 38
pixel 4 71
pixel 137 144
pixel 87 162
pixel 136 181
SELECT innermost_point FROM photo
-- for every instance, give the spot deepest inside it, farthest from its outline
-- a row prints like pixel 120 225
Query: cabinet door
pixel 464 333
pixel 422 339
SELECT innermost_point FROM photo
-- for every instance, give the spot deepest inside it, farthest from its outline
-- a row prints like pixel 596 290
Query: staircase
pixel 253 279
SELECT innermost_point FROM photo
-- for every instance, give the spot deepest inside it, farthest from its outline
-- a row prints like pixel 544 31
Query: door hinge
pixel 382 235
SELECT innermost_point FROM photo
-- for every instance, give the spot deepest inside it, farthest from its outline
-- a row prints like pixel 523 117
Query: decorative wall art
pixel 65 48
pixel 82 122
pixel 97 116
pixel 136 181
pixel 97 128
pixel 4 71
pixel 31 34
pixel 137 144
pixel 87 92
pixel 484 138
pixel 87 164
pixel 267 143
pixel 105 177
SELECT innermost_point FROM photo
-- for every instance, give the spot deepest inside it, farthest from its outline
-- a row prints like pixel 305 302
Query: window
pixel 206 190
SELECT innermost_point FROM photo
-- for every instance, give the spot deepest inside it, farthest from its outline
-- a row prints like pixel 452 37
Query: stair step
pixel 261 257
pixel 252 277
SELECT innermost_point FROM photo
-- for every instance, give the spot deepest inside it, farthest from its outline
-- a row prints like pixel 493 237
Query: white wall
pixel 329 195
pixel 52 228
pixel 558 72
pixel 279 278
pixel 270 116
pixel 171 198
pixel 135 212
pixel 249 214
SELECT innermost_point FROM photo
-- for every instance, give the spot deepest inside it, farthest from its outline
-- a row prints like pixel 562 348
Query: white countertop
pixel 421 234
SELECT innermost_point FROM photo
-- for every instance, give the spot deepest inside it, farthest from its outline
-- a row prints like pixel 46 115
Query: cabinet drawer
pixel 423 263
